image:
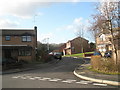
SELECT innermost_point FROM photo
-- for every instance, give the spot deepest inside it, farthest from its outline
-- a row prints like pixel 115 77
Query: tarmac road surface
pixel 56 75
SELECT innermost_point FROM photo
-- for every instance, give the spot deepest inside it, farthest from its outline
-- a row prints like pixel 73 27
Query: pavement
pixel 84 73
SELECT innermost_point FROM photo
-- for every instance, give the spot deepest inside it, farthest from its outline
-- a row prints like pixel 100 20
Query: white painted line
pixel 86 81
pixel 67 81
pixel 81 83
pixel 32 78
pixel 53 80
pixel 46 78
pixel 64 81
pixel 98 84
pixel 37 77
pixel 71 80
pixel 42 79
pixel 15 77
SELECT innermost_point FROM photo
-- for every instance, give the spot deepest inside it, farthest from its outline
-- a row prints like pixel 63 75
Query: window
pixel 26 38
pixel 29 38
pixel 102 37
pixel 24 52
pixel 7 38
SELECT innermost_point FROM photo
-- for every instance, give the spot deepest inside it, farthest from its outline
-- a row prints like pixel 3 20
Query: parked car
pixel 97 53
pixel 57 55
pixel 108 54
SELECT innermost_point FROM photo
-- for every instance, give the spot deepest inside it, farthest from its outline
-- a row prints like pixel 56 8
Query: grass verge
pixel 103 72
pixel 104 65
pixel 79 54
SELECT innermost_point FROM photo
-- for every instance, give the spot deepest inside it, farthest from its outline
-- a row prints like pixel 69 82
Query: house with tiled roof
pixel 19 44
pixel 76 45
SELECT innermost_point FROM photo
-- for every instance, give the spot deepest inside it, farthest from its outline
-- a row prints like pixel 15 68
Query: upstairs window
pixel 7 38
pixel 26 38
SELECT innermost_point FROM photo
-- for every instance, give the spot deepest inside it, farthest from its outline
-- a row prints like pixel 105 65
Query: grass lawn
pixel 79 54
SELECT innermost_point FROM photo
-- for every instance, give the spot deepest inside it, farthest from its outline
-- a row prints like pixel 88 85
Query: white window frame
pixel 7 38
pixel 26 38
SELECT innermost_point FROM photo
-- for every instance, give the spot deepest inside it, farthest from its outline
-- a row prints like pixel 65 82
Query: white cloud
pixel 74 26
pixel 78 21
pixel 6 23
pixel 20 8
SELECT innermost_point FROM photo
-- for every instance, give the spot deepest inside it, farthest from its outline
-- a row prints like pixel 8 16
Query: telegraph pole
pixel 34 19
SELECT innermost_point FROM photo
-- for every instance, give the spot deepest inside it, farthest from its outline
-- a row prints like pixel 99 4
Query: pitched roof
pixel 17 32
pixel 78 39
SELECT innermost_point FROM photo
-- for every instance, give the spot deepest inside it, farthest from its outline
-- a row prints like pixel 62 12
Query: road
pixel 56 75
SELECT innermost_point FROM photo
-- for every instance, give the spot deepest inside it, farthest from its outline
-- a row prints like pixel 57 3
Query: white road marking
pixel 67 81
pixel 15 77
pixel 98 84
pixel 53 80
pixel 37 77
pixel 57 79
pixel 32 78
pixel 81 82
pixel 46 78
pixel 23 77
pixel 86 81
pixel 42 79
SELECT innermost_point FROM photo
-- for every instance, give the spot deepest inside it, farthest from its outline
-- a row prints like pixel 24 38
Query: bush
pixel 105 65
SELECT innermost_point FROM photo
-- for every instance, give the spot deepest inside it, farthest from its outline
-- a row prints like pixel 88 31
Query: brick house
pixel 103 43
pixel 75 46
pixel 19 44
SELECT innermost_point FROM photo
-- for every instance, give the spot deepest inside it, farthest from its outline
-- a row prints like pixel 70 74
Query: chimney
pixel 35 27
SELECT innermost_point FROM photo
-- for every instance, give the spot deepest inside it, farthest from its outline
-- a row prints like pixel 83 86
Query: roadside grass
pixel 103 72
pixel 104 65
pixel 78 55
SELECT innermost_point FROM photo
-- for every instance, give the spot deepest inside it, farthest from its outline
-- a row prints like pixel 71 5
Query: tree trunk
pixel 114 49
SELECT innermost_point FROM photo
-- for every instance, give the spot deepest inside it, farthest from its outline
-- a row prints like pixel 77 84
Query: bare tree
pixel 80 33
pixel 106 20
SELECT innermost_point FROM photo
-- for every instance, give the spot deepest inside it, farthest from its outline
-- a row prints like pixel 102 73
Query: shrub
pixel 106 65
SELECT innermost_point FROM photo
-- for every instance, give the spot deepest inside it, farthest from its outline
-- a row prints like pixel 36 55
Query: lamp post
pixel 48 44
pixel 46 41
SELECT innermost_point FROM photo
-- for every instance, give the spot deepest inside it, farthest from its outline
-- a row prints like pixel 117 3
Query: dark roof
pixel 78 39
pixel 18 32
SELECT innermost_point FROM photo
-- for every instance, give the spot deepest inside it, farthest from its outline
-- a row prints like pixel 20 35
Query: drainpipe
pixel 35 28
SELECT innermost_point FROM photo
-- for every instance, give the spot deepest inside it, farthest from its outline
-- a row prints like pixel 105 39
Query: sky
pixel 58 21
